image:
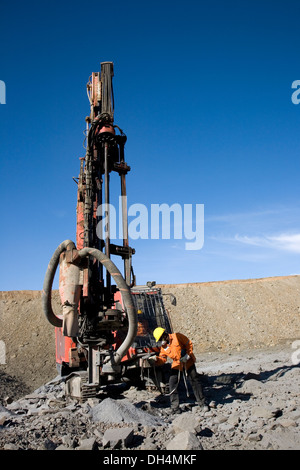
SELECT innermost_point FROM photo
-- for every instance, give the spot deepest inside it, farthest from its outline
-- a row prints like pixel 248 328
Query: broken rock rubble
pixel 254 404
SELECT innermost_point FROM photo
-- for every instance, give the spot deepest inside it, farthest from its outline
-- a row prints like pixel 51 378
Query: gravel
pixel 245 335
pixel 253 397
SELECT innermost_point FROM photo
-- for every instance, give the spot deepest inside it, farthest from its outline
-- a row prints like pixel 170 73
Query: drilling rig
pixel 104 332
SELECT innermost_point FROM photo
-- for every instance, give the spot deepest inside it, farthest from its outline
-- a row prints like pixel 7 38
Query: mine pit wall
pixel 236 315
pixel 216 316
pixel 29 338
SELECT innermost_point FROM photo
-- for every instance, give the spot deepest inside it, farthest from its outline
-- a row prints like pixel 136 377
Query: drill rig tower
pixel 99 336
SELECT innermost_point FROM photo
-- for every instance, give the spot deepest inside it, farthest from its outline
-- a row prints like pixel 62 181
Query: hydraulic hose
pixel 115 273
pixel 126 296
pixel 47 287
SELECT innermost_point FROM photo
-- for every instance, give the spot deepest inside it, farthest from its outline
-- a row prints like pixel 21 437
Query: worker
pixel 179 349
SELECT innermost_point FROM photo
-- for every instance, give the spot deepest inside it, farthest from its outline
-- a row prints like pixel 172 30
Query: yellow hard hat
pixel 157 333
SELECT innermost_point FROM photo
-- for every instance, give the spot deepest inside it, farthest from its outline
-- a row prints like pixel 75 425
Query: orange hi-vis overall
pixel 173 350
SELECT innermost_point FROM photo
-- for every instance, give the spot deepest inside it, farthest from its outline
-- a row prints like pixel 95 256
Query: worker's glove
pixel 185 358
pixel 152 359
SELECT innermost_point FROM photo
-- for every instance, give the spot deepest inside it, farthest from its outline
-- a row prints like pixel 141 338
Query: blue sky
pixel 203 92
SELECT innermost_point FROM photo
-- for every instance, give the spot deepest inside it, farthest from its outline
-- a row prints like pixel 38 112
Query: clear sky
pixel 203 92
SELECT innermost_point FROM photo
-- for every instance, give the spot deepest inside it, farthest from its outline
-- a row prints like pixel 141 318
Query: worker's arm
pixel 158 360
pixel 186 347
pixel 185 344
pixel 161 358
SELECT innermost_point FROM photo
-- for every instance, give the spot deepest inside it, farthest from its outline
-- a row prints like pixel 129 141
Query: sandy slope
pixel 218 316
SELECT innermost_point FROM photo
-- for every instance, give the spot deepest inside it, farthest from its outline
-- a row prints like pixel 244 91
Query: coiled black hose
pixel 126 296
pixel 117 276
pixel 48 281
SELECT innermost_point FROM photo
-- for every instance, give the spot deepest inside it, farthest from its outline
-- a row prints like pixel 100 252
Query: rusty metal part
pixel 126 296
pixel 47 287
pixel 70 290
pixel 74 359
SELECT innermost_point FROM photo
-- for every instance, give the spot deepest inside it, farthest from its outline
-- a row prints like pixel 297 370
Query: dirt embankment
pixel 237 315
pixel 217 316
pixel 28 338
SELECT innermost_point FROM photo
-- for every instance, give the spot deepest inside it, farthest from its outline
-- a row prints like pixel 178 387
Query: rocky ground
pixel 243 333
pixel 253 397
pixel 221 316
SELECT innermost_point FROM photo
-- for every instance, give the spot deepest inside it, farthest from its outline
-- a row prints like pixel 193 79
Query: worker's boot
pixel 203 406
pixel 175 411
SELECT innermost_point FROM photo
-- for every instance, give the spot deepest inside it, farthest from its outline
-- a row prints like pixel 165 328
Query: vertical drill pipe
pixel 88 203
pixel 126 296
pixel 99 230
pixel 127 259
pixel 107 212
pixel 80 208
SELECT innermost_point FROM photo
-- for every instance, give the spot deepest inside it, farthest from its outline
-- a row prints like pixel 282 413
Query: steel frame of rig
pixel 104 333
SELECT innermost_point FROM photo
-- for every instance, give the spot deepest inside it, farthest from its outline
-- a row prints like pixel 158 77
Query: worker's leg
pixel 195 381
pixel 173 389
